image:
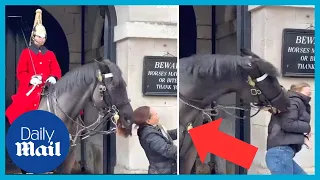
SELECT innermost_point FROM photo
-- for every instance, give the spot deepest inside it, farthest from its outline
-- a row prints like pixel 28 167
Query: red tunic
pixel 46 65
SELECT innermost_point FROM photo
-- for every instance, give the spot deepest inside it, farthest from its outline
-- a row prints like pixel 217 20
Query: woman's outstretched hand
pixel 308 143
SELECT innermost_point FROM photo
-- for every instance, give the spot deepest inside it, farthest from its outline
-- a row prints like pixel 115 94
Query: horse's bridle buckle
pixel 255 92
pixel 102 88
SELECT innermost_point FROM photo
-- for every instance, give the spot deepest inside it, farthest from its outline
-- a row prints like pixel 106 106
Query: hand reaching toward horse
pixel 308 143
pixel 307 140
pixel 272 110
pixel 310 134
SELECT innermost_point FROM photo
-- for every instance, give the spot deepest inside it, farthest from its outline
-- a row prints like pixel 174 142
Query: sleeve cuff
pixel 55 77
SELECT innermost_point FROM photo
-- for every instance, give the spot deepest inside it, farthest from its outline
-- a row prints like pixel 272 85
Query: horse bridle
pixel 106 111
pixel 254 90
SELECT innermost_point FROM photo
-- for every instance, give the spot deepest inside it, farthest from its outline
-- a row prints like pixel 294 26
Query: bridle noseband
pixel 107 110
pixel 255 91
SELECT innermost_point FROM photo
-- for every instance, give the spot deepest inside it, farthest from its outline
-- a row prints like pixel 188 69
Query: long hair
pixel 141 115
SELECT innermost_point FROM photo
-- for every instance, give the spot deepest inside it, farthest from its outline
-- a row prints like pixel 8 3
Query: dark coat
pixel 160 151
pixel 288 128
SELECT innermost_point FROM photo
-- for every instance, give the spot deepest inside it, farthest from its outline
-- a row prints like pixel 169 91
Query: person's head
pixel 39 34
pixel 39 40
pixel 302 87
pixel 145 115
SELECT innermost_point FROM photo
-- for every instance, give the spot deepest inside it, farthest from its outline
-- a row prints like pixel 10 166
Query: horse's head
pixel 262 87
pixel 110 93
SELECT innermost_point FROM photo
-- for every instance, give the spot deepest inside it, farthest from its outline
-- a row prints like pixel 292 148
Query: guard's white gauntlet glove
pixel 35 80
pixel 51 80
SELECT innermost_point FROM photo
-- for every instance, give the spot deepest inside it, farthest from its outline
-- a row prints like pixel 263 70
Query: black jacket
pixel 160 151
pixel 288 128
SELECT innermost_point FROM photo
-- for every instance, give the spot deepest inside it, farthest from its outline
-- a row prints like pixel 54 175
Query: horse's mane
pixel 84 75
pixel 221 67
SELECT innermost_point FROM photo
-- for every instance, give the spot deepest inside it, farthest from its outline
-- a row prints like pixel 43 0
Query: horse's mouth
pixel 126 123
pixel 124 127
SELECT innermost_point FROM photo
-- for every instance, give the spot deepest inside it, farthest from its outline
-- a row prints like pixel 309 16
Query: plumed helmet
pixel 38 28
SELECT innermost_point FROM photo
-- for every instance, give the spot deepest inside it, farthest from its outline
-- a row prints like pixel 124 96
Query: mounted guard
pixel 36 66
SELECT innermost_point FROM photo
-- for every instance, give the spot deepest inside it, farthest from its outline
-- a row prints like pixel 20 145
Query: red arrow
pixel 208 139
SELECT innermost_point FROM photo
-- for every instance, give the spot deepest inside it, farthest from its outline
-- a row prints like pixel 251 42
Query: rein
pixel 255 91
pixel 217 107
pixel 105 114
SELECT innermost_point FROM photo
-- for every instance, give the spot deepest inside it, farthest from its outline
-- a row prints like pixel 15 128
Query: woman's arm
pixel 158 144
pixel 290 120
pixel 173 134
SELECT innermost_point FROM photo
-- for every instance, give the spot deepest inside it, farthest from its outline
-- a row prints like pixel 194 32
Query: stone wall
pixel 94 24
pixel 204 28
pixel 138 35
pixel 203 15
pixel 141 31
pixel 226 43
pixel 69 18
pixel 267 25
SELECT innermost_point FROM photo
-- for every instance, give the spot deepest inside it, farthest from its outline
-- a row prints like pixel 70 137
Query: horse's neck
pixel 193 113
pixel 73 102
pixel 188 114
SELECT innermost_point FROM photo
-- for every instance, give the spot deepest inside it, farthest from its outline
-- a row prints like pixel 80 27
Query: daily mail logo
pixel 38 142
pixel 28 148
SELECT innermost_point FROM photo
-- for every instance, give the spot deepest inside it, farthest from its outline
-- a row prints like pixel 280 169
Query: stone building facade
pixel 266 39
pixel 140 31
pixel 267 23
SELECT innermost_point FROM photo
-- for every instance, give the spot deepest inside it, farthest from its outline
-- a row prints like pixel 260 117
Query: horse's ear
pixel 248 52
pixel 99 61
pixel 101 64
pixel 99 75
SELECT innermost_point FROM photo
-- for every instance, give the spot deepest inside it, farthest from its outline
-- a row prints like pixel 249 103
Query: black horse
pixel 98 83
pixel 205 78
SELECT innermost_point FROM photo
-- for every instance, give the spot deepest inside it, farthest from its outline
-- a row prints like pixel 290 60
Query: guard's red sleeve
pixel 23 73
pixel 55 67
